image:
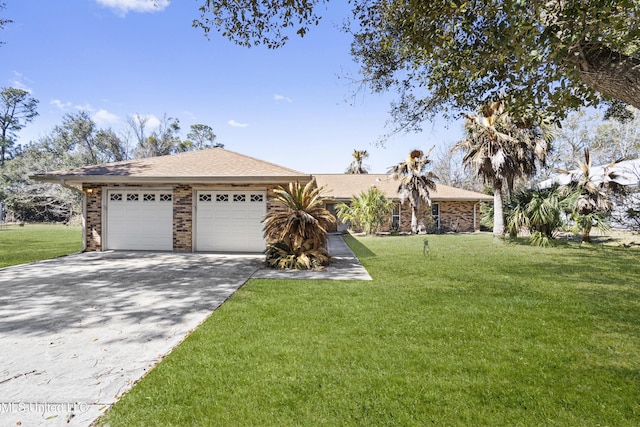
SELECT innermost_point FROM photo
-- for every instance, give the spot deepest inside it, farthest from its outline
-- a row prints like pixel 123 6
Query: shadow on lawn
pixel 360 250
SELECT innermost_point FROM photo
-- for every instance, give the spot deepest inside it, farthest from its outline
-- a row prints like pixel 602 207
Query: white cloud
pixel 85 107
pixel 102 117
pixel 19 82
pixel 235 124
pixel 279 99
pixel 61 105
pixel 150 121
pixel 143 6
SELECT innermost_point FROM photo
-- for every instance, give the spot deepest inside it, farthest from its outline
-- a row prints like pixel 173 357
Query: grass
pixel 477 333
pixel 35 242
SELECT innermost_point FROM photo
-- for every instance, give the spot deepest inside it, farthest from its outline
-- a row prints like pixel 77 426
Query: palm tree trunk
pixel 414 219
pixel 586 233
pixel 498 213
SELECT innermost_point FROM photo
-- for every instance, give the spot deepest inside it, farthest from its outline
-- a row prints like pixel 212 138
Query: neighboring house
pixel 452 209
pixel 627 174
pixel 627 171
pixel 215 200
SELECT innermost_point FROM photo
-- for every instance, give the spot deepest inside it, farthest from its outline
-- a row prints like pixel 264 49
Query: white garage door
pixel 140 220
pixel 230 221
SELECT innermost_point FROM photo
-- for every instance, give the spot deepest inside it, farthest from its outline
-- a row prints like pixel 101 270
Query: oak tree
pixel 443 56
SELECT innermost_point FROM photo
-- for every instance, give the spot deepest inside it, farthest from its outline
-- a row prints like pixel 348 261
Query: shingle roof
pixel 212 165
pixel 345 186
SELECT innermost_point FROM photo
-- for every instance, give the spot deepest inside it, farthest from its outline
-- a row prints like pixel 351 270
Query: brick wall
pixel 458 216
pixel 454 216
pixel 182 218
pixel 93 221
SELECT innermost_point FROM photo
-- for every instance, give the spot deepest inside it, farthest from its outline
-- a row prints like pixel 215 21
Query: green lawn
pixel 477 333
pixel 35 242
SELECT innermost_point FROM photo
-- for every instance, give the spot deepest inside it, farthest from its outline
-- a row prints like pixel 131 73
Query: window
pixel 205 198
pixel 256 198
pixel 239 198
pixel 166 197
pixel 132 197
pixel 395 217
pixel 149 197
pixel 435 213
pixel 222 197
pixel 115 197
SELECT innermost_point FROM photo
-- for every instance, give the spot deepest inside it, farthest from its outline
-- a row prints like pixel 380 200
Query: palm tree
pixel 415 182
pixel 501 150
pixel 370 210
pixel 592 195
pixel 356 165
pixel 297 231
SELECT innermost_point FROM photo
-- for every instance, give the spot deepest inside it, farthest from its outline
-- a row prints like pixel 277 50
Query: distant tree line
pixel 77 141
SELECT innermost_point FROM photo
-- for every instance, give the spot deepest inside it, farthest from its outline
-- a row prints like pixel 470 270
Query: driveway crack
pixel 19 375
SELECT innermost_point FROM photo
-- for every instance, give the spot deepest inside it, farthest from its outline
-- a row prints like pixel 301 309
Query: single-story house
pixel 209 200
pixel 452 209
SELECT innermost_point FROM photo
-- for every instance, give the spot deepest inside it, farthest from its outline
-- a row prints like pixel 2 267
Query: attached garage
pixel 211 200
pixel 139 219
pixel 230 221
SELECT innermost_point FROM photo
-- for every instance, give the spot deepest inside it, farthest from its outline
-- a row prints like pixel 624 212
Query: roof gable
pixel 345 186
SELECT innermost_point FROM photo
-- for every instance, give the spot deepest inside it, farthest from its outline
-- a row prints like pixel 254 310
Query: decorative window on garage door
pixel 256 198
pixel 239 197
pixel 166 197
pixel 204 197
pixel 115 197
pixel 222 197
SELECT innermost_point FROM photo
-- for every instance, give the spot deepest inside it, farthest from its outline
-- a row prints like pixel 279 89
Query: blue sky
pixel 114 58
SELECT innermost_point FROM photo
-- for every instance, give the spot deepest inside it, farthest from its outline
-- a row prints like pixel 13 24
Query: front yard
pixel 477 333
pixel 35 242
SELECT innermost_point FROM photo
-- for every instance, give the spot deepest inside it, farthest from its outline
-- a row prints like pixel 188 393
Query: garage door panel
pixel 230 221
pixel 139 220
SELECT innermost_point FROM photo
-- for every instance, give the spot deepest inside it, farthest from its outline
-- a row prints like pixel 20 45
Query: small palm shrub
pixel 296 232
pixel 539 211
pixel 369 211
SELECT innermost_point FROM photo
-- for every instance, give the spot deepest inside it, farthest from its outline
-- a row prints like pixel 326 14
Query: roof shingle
pixel 345 186
pixel 210 164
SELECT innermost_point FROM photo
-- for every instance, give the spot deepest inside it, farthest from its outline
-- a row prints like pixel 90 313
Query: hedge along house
pixel 452 209
pixel 209 200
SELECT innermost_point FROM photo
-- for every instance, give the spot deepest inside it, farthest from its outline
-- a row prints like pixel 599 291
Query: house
pixel 452 209
pixel 213 200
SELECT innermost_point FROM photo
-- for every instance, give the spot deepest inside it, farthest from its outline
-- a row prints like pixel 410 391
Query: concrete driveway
pixel 77 332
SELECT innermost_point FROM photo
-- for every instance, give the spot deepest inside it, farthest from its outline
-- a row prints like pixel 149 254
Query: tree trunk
pixel 498 214
pixel 586 233
pixel 611 73
pixel 414 219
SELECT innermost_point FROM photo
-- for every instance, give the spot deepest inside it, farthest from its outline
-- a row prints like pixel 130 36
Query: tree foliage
pixel 357 166
pixel 592 194
pixel 296 232
pixel 17 108
pixel 415 182
pixel 501 150
pixel 78 141
pixel 444 55
pixel 369 211
pixel 3 21
pixel 200 137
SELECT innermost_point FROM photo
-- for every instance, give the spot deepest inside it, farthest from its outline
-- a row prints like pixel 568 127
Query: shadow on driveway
pixel 83 328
